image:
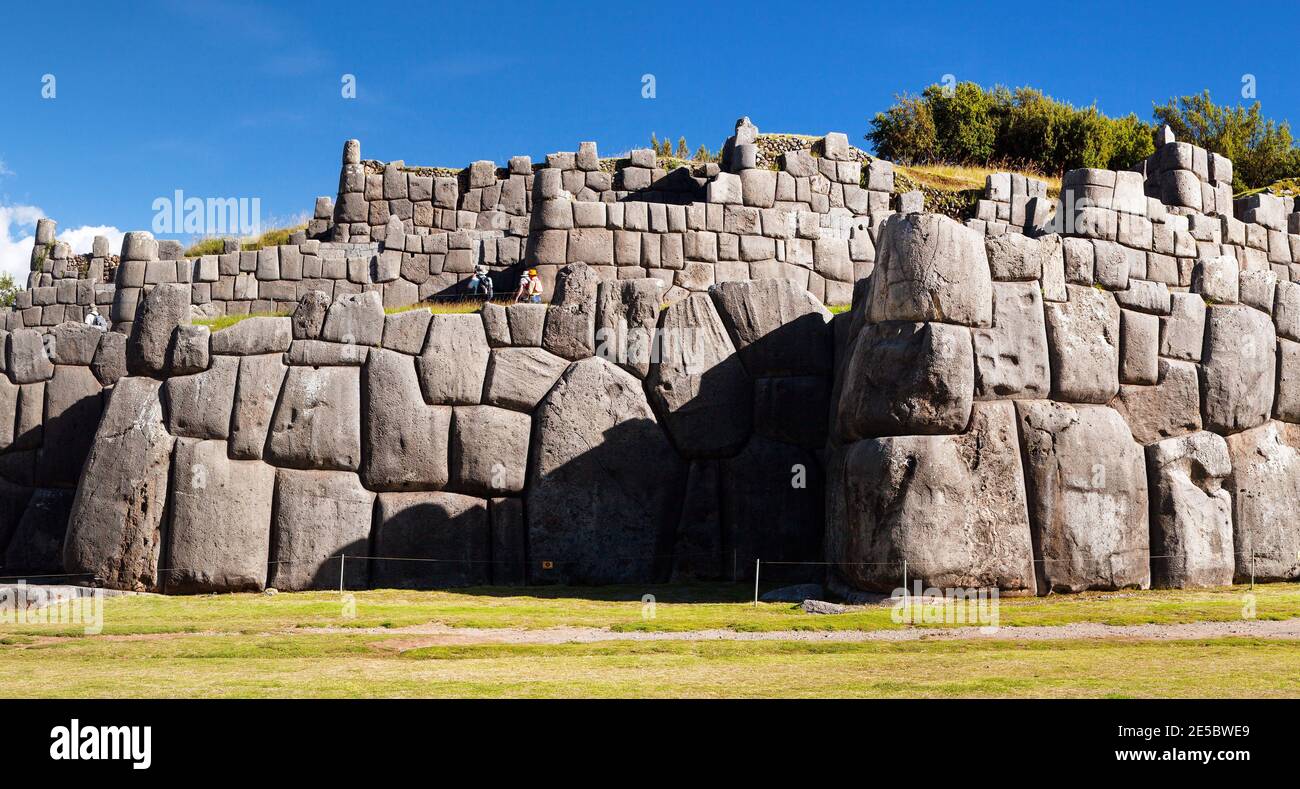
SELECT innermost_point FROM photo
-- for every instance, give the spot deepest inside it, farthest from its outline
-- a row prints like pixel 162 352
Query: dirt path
pixel 441 635
pixel 435 634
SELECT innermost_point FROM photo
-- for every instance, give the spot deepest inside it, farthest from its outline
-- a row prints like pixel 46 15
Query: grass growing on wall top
pixel 226 321
pixel 448 307
pixel 214 245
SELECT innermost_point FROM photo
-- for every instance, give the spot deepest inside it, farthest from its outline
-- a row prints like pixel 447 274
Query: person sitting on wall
pixel 93 318
pixel 530 288
pixel 481 282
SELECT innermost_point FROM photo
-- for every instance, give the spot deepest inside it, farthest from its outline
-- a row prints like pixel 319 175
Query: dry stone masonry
pixel 1096 391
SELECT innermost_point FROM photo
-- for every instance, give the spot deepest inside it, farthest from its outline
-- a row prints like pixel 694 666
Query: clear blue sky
pixel 241 98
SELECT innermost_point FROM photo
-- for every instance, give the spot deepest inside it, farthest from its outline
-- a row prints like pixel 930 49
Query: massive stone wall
pixel 1090 392
pixel 1098 396
pixel 603 438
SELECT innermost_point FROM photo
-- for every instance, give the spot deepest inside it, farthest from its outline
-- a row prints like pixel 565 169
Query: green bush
pixel 970 125
pixel 1262 150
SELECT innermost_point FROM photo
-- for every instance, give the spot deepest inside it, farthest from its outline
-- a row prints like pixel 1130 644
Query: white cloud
pixel 18 234
pixel 16 253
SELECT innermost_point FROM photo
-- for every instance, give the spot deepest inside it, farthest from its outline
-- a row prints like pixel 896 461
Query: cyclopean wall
pixel 1100 395
pixel 529 443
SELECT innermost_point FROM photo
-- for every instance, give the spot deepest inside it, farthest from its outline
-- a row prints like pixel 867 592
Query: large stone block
pixel 454 361
pixel 773 509
pixel 357 319
pixel 319 516
pixel 777 327
pixel 115 529
pixel 519 378
pixel 952 507
pixel 1237 369
pixel 1172 407
pixel 199 406
pixel 1083 345
pixel 36 546
pixel 448 531
pixel 604 490
pixel 1265 489
pixel 317 422
pixel 404 439
pixel 163 309
pixel 787 409
pixel 698 385
pixel 1191 513
pixel 1011 359
pixel 257 389
pixel 907 379
pixel 571 321
pixel 28 361
pixel 489 450
pixel 930 268
pixel 219 536
pixel 254 336
pixel 627 312
pixel 73 407
pixel 1087 496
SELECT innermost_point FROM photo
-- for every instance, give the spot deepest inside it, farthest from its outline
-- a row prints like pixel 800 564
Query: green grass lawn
pixel 259 645
pixel 677 608
pixel 357 665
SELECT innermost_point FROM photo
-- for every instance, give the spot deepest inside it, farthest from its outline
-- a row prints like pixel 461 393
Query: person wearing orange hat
pixel 530 287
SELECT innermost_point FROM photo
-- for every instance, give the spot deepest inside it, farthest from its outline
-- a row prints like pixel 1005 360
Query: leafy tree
pixel 683 152
pixel 1023 127
pixel 8 290
pixel 1262 150
pixel 905 132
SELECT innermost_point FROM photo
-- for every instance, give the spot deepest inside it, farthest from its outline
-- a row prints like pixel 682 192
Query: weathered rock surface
pixel 1170 408
pixel 778 327
pixel 357 319
pixel 952 507
pixel 1083 345
pixel 1011 357
pixel 1265 489
pixel 519 378
pixel 489 450
pixel 73 407
pixel 1087 497
pixel 1191 513
pixel 218 538
pixel 115 527
pixel 257 389
pixel 405 439
pixel 447 527
pixel 698 385
pixel 163 309
pixel 28 361
pixel 930 268
pixel 570 330
pixel 320 515
pixel 1237 370
pixel 199 406
pixel 37 543
pixel 907 379
pixel 604 486
pixel 454 362
pixel 253 336
pixel 317 423
pixel 627 313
